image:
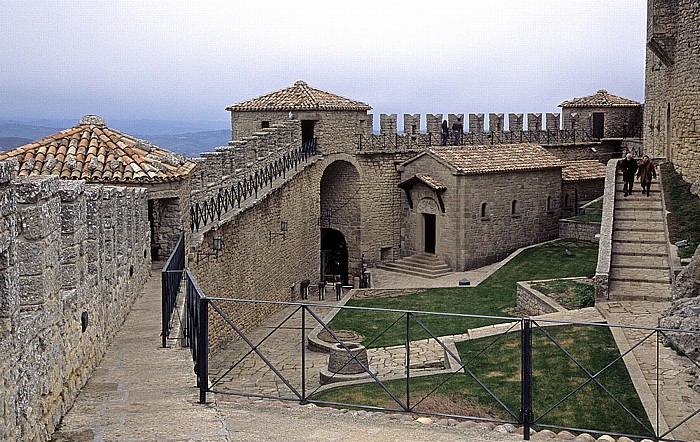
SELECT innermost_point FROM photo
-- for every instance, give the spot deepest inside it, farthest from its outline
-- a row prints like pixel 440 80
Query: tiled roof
pixel 602 98
pixel 425 179
pixel 299 97
pixel 582 170
pixel 496 158
pixel 93 152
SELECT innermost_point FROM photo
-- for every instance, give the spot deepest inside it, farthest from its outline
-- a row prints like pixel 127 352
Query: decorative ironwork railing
pixel 170 279
pixel 229 197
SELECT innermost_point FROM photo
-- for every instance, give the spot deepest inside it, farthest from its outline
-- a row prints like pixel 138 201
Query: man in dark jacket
pixel 628 166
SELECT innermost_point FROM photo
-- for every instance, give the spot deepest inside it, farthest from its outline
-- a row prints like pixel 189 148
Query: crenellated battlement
pixel 472 123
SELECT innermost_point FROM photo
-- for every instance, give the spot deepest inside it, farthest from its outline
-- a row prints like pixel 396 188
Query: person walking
pixel 628 166
pixel 645 173
pixel 457 129
pixel 445 132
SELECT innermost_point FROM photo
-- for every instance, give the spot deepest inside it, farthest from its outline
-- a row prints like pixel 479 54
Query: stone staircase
pixel 639 266
pixel 426 265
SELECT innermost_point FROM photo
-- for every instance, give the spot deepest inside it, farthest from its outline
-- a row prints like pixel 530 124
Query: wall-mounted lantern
pixel 284 227
pixel 216 243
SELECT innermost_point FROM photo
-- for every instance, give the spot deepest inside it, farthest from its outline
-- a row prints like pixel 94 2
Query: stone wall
pixel 618 122
pixel 672 91
pixel 579 230
pixel 532 302
pixel 576 193
pixel 71 255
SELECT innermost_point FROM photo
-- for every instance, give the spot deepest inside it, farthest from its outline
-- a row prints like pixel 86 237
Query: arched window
pixel 484 211
pixel 549 203
pixel 514 207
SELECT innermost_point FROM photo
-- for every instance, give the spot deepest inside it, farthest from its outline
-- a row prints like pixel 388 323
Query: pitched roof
pixel 425 179
pixel 582 170
pixel 489 158
pixel 602 98
pixel 299 97
pixel 93 152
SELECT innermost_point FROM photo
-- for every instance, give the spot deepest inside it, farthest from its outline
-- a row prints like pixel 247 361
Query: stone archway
pixel 340 217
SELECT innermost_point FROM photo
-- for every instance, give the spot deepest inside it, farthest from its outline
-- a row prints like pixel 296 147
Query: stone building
pixel 474 205
pixel 603 115
pixel 672 91
pixel 334 121
pixel 93 152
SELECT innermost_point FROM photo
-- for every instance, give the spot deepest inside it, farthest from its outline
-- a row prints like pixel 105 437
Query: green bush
pixel 585 295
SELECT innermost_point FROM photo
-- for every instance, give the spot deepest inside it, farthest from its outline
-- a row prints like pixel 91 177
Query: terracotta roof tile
pixel 602 98
pixel 496 158
pixel 582 170
pixel 90 151
pixel 301 96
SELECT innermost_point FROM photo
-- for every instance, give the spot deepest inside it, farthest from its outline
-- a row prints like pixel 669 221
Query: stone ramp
pixel 141 391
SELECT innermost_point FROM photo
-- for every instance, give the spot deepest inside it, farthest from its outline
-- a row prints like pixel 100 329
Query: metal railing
pixel 227 198
pixel 170 279
pixel 403 142
pixel 533 410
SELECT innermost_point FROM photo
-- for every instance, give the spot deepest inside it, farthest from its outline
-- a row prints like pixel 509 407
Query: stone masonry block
pixel 476 123
pixel 31 256
pixel 71 275
pixel 33 189
pixel 9 295
pixel 8 204
pixel 33 289
pixel 387 124
pixel 433 123
pixel 553 121
pixel 534 121
pixel 73 216
pixel 6 171
pixel 515 122
pixel 496 122
pixel 38 221
pixel 71 190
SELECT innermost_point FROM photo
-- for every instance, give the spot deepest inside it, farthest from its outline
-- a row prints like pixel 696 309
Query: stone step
pixel 652 275
pixel 639 236
pixel 639 204
pixel 639 261
pixel 638 226
pixel 639 249
pixel 411 267
pixel 426 265
pixel 639 291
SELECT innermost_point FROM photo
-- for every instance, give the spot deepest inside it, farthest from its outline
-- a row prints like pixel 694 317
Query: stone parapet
pixel 71 263
pixel 602 272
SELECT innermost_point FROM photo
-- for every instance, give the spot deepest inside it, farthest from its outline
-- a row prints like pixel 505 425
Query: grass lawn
pixel 587 218
pixel 597 204
pixel 683 221
pixel 498 367
pixel 568 293
pixel 493 297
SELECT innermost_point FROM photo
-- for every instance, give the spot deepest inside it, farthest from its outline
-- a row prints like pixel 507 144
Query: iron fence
pixel 284 368
pixel 229 197
pixel 403 142
pixel 170 279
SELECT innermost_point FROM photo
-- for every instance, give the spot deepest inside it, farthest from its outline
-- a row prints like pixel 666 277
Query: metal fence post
pixel 408 361
pixel 203 350
pixel 303 354
pixel 526 387
pixel 164 309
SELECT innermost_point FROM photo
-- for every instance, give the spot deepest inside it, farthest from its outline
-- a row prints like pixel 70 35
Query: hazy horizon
pixel 187 61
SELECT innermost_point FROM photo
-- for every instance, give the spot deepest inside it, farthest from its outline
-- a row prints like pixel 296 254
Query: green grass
pixel 598 204
pixel 587 218
pixel 684 207
pixel 493 297
pixel 498 367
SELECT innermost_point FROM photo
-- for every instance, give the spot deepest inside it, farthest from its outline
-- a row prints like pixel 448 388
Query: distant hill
pixel 190 144
pixel 9 143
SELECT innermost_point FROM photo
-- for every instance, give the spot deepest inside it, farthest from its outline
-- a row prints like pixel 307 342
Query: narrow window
pixel 265 124
pixel 566 200
pixel 484 211
pixel 514 207
pixel 549 203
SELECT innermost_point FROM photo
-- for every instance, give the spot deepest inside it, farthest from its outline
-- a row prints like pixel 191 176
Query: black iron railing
pixel 403 142
pixel 532 410
pixel 227 198
pixel 170 279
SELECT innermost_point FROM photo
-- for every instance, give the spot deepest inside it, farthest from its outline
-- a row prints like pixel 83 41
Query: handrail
pixel 170 279
pixel 227 198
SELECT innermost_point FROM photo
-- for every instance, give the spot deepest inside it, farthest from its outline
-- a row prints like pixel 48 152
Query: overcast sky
pixel 188 60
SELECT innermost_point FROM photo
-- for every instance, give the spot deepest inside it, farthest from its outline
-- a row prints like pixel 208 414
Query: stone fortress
pixel 87 210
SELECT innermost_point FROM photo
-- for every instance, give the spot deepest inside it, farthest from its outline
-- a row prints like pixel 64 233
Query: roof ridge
pixel 307 90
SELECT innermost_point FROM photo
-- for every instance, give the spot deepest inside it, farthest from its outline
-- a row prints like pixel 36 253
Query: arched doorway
pixel 340 221
pixel 334 256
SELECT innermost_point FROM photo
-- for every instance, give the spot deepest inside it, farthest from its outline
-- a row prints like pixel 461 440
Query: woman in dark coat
pixel 645 173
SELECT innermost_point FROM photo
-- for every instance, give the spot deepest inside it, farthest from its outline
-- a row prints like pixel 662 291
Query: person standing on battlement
pixel 628 166
pixel 457 129
pixel 445 132
pixel 646 172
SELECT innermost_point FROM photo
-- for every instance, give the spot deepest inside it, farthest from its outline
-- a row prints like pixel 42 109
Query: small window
pixel 265 124
pixel 566 201
pixel 484 211
pixel 549 204
pixel 514 208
